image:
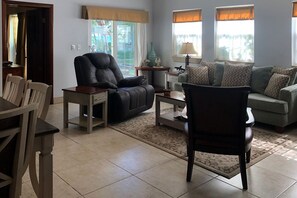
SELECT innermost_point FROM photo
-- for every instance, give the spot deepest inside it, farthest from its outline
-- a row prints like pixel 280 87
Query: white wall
pixel 272 29
pixel 69 29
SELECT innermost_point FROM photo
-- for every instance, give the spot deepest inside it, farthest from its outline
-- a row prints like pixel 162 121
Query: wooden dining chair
pixel 217 123
pixel 17 132
pixel 40 93
pixel 13 89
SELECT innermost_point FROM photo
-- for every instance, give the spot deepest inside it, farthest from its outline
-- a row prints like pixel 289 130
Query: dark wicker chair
pixel 218 122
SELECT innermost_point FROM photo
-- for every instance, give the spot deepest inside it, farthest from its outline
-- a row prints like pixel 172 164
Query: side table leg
pixel 65 112
pixel 90 116
pixel 157 110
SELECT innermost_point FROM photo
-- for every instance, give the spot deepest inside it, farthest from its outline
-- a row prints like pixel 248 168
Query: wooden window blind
pixel 294 9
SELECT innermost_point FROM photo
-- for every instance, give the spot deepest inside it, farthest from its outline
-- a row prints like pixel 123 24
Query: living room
pixel 273 177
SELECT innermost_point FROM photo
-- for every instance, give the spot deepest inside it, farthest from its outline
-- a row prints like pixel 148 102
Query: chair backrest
pixel 216 113
pixel 16 147
pixel 92 68
pixel 13 89
pixel 40 93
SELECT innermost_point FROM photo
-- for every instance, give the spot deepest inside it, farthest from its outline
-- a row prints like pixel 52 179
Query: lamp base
pixel 187 61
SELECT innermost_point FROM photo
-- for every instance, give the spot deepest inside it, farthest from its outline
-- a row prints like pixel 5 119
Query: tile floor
pixel 107 163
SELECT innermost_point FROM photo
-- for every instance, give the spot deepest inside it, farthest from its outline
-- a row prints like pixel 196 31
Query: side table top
pixel 85 89
pixel 155 68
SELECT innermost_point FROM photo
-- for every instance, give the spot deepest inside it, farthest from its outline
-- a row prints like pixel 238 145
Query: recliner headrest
pixel 99 60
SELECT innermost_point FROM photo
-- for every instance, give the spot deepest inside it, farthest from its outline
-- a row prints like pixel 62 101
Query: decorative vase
pixel 152 56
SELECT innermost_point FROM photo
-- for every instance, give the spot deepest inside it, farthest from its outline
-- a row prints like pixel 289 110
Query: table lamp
pixel 187 48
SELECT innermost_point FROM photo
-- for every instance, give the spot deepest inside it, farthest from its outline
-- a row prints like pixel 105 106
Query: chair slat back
pixel 16 147
pixel 40 93
pixel 13 89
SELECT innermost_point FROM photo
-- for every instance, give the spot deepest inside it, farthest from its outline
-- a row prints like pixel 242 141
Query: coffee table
pixel 175 98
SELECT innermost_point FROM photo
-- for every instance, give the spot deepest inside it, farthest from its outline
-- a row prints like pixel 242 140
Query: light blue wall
pixel 272 29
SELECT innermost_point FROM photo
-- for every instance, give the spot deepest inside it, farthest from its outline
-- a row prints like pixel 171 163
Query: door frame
pixel 50 9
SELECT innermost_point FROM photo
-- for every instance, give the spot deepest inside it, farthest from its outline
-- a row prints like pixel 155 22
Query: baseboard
pixel 58 100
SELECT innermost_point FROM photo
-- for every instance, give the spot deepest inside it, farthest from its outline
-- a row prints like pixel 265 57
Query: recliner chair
pixel 127 96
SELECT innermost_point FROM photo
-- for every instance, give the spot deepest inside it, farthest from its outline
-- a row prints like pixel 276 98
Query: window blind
pixel 115 14
pixel 294 14
pixel 235 13
pixel 187 16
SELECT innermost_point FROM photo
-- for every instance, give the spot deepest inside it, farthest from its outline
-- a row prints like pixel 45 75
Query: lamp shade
pixel 187 48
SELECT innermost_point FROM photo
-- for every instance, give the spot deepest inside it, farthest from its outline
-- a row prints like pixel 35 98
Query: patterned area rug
pixel 170 140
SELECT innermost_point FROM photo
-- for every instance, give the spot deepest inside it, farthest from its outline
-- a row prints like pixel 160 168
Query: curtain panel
pixel 236 13
pixel 114 14
pixel 187 16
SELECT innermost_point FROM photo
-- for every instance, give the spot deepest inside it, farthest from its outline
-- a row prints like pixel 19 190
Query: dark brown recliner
pixel 127 96
pixel 218 122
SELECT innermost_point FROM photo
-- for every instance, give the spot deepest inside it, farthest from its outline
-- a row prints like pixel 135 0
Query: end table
pixel 85 96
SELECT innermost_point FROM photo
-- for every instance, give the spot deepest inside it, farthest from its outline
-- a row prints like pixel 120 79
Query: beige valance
pixel 294 9
pixel 115 14
pixel 187 16
pixel 235 13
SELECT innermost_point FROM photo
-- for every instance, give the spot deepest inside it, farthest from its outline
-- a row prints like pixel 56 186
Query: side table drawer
pixel 98 98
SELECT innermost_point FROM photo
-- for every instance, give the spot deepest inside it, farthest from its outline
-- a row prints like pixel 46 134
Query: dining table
pixel 43 143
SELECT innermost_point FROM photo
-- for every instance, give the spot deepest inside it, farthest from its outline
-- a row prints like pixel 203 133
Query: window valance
pixel 115 14
pixel 235 13
pixel 294 9
pixel 187 16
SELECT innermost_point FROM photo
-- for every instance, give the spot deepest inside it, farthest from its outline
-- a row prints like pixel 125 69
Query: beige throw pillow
pixel 211 70
pixel 236 75
pixel 198 75
pixel 291 72
pixel 275 84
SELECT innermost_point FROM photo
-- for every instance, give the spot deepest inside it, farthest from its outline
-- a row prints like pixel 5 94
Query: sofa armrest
pixel 182 78
pixel 289 94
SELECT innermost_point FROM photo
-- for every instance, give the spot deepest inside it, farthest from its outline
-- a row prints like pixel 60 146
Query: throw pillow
pixel 291 72
pixel 218 74
pixel 260 78
pixel 275 84
pixel 236 75
pixel 211 70
pixel 198 75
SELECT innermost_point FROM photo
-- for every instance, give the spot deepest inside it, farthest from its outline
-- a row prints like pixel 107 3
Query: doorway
pixel 27 39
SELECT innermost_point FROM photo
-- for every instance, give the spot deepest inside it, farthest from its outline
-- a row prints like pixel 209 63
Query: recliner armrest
pixel 132 81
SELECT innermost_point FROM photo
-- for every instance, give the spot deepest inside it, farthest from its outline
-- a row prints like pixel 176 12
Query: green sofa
pixel 279 112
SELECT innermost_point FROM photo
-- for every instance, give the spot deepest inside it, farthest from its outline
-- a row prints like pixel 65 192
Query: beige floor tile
pixel 138 159
pixel 262 183
pixel 128 188
pixel 284 164
pixel 290 193
pixel 217 189
pixel 170 177
pixel 60 188
pixel 92 176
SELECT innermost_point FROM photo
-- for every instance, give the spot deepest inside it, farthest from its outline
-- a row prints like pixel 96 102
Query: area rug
pixel 170 140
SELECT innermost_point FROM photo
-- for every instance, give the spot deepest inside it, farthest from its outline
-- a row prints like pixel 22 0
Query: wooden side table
pixel 152 70
pixel 170 77
pixel 85 96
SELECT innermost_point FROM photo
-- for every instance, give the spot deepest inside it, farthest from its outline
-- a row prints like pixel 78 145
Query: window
pixel 187 27
pixel 119 32
pixel 116 38
pixel 294 34
pixel 235 34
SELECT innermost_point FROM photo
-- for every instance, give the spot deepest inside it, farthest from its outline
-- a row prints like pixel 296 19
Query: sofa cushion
pixel 264 103
pixel 291 72
pixel 260 78
pixel 236 75
pixel 218 74
pixel 198 75
pixel 275 84
pixel 211 70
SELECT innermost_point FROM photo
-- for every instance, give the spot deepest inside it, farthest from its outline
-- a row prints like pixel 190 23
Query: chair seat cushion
pixel 265 103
